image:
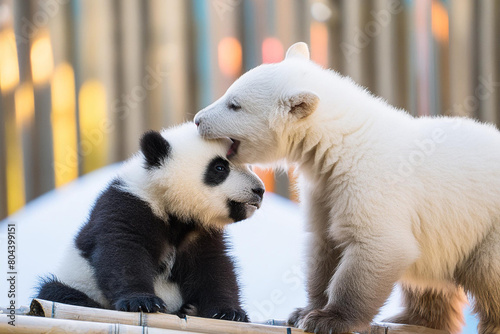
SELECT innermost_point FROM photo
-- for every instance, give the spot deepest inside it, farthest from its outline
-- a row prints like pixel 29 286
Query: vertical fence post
pixel 441 31
pixel 488 61
pixel 385 50
pixel 204 93
pixel 42 139
pixel 3 145
pixel 100 115
pixel 131 51
pixel 335 57
pixel 3 164
pixel 72 13
pixel 176 101
pixel 356 42
pixel 23 14
pixel 462 48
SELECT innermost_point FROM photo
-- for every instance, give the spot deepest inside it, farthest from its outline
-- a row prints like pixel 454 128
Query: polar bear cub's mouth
pixel 233 150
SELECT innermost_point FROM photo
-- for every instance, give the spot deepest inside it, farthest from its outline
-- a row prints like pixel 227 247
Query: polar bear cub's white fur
pixel 390 198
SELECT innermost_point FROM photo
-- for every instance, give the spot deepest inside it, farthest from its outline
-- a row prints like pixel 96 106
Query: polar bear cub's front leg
pixel 323 255
pixel 365 277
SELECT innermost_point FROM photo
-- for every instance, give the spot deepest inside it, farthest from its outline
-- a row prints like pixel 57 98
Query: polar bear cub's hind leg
pixel 432 308
pixel 480 276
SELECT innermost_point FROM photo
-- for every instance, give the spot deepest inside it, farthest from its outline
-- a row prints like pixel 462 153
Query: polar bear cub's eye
pixel 233 105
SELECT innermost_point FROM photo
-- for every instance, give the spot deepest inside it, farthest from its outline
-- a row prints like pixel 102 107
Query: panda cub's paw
pixel 232 314
pixel 187 309
pixel 141 303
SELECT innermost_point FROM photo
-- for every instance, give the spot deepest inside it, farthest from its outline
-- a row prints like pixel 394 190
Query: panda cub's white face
pixel 184 175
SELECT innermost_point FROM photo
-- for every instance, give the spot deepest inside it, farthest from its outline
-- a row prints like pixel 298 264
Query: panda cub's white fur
pixel 154 238
pixel 76 272
pixel 390 198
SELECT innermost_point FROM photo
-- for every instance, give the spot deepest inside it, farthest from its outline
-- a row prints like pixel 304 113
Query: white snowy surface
pixel 269 247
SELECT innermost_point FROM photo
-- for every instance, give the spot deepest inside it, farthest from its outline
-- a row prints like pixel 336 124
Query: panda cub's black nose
pixel 259 192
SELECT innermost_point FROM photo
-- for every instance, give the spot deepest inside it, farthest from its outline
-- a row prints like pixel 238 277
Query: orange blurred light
pixel 272 50
pixel 267 176
pixel 319 43
pixel 92 103
pixel 230 56
pixel 9 69
pixel 14 152
pixel 64 125
pixel 440 25
pixel 25 104
pixel 42 63
pixel 15 168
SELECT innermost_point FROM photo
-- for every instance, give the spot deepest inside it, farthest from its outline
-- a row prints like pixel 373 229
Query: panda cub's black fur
pixel 133 256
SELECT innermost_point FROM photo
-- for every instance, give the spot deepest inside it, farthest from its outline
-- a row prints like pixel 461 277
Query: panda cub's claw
pixel 231 315
pixel 141 303
pixel 185 310
pixel 180 314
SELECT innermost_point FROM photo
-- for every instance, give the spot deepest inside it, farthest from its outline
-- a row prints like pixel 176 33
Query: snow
pixel 268 248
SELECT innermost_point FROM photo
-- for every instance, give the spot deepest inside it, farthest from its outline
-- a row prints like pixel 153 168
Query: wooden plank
pixel 40 307
pixel 399 329
pixel 37 325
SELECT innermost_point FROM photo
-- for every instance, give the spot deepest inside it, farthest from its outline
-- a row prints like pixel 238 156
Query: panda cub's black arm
pixel 207 278
pixel 123 241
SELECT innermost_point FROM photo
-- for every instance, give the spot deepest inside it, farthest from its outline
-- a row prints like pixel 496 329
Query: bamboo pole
pixel 49 309
pixel 36 325
pixel 44 308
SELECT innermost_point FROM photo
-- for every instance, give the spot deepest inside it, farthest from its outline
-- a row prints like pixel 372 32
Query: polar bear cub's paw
pixel 325 322
pixel 297 316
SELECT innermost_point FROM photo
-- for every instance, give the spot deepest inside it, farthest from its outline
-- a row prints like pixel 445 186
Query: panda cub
pixel 154 239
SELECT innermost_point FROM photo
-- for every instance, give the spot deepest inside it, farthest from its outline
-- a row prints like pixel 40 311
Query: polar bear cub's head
pixel 262 108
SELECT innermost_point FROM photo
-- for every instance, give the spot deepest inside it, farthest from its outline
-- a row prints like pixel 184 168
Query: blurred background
pixel 80 80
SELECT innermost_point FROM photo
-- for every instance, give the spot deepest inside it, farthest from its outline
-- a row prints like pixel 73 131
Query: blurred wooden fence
pixel 80 80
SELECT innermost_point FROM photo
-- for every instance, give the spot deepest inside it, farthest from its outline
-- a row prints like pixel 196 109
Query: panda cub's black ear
pixel 155 149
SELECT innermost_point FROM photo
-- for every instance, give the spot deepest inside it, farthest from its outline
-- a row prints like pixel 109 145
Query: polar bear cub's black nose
pixel 259 192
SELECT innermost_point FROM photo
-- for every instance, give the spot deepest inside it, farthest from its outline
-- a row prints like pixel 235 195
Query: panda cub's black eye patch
pixel 216 172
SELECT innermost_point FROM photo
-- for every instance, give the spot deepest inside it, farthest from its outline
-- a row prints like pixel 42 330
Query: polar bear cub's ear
pixel 301 104
pixel 299 50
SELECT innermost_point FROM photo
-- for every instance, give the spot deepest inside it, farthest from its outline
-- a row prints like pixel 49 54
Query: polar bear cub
pixel 390 198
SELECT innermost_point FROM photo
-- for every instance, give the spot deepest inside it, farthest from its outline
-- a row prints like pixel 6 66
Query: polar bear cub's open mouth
pixel 233 150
